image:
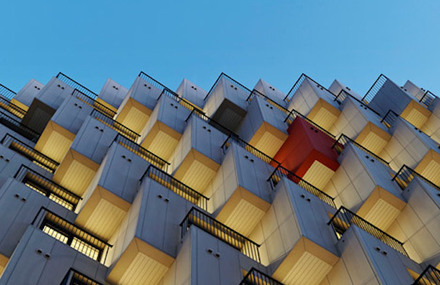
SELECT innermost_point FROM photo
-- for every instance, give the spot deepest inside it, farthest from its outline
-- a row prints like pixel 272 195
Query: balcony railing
pixel 93 103
pixel 212 122
pixel 298 83
pixel 380 81
pixel 18 127
pixel 29 152
pixel 344 94
pixel 267 99
pixel 142 152
pixel 151 80
pixel 430 276
pixel 120 128
pixel 405 175
pixel 261 155
pixel 47 187
pixel 75 85
pixel 176 186
pixel 76 237
pixel 428 98
pixel 343 218
pixel 389 118
pixel 73 277
pixel 256 277
pixel 244 88
pixel 342 141
pixel 281 172
pixel 6 92
pixel 182 101
pixel 220 231
pixel 292 116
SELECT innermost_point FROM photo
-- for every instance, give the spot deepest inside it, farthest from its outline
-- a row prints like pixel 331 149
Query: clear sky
pixel 353 41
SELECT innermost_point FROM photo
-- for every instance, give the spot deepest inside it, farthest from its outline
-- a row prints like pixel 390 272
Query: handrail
pixel 182 101
pixel 151 80
pixel 74 277
pixel 256 277
pixel 115 125
pixel 229 78
pixel 428 98
pixel 76 85
pixel 343 94
pixel 292 116
pixel 343 218
pixel 18 127
pixel 93 103
pixel 389 118
pixel 266 98
pixel 298 84
pixel 429 276
pixel 30 153
pixel 281 172
pixel 175 186
pixel 220 231
pixel 45 186
pixel 340 143
pixel 77 237
pixel 12 108
pixel 406 174
pixel 141 151
pixel 6 92
pixel 380 81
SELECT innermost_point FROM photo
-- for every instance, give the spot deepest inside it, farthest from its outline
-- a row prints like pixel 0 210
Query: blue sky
pixel 353 41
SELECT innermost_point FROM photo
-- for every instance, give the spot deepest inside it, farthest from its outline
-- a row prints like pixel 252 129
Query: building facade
pixel 232 186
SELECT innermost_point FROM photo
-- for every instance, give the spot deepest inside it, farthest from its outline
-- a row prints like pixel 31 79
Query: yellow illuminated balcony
pixel 373 138
pixel 429 167
pixel 324 114
pixel 134 115
pixel 416 114
pixel 55 141
pixel 3 262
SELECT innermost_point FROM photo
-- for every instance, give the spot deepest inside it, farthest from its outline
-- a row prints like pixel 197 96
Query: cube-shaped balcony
pixel 432 125
pixel 363 184
pixel 198 154
pixel 414 90
pixel 165 127
pixel 314 101
pixel 308 153
pixel 271 92
pixel 362 124
pixel 240 193
pixel 6 97
pixel 341 91
pixel 139 102
pixel 26 95
pixel 226 102
pixel 264 126
pixel 192 93
pixel 112 94
pixel 296 242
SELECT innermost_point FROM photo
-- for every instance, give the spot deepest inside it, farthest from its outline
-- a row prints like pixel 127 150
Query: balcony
pixel 343 218
pixel 47 187
pixel 120 128
pixel 72 235
pixel 430 276
pixel 30 153
pixel 281 172
pixel 18 127
pixel 73 277
pixel 405 175
pixel 256 277
pixel 6 95
pixel 220 231
pixel 176 186
pixel 142 152
pixel 95 103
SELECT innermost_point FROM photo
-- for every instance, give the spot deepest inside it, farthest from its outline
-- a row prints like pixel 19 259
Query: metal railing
pixel 220 231
pixel 256 277
pixel 244 88
pixel 47 187
pixel 76 85
pixel 342 141
pixel 74 277
pixel 151 80
pixel 120 128
pixel 389 118
pixel 182 101
pixel 76 237
pixel 267 99
pixel 281 172
pixel 406 174
pixel 343 218
pixel 380 81
pixel 6 92
pixel 428 98
pixel 261 155
pixel 344 94
pixel 429 276
pixel 29 152
pixel 18 127
pixel 93 103
pixel 298 83
pixel 291 116
pixel 176 186
pixel 142 152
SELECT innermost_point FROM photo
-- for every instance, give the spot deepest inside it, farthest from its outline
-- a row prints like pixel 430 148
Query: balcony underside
pixel 134 115
pixel 429 167
pixel 161 140
pixel 323 114
pixel 373 138
pixel 268 139
pixel 55 141
pixel 416 114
